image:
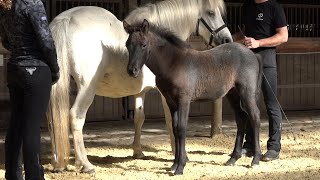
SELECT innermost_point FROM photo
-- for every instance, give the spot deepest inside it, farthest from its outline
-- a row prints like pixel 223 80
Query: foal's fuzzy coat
pixel 184 75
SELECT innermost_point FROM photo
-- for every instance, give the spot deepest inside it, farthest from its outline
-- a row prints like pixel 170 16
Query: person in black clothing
pixel 265 27
pixel 31 71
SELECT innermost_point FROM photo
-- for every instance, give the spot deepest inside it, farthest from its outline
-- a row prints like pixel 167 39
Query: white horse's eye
pixel 211 13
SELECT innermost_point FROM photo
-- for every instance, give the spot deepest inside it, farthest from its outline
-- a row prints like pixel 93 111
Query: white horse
pixel 90 44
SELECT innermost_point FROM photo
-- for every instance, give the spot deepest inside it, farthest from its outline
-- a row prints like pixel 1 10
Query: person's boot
pixel 33 168
pixel 13 170
pixel 270 155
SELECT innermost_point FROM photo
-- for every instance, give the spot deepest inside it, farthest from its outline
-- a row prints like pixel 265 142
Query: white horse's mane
pixel 173 14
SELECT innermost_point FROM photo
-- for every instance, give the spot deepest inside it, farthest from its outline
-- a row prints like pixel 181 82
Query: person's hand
pixel 55 77
pixel 251 43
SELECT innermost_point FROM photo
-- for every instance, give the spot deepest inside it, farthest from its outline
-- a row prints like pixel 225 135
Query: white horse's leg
pixel 77 118
pixel 168 118
pixel 139 118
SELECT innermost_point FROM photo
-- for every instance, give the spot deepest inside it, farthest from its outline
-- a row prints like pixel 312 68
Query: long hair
pixel 175 14
pixel 6 4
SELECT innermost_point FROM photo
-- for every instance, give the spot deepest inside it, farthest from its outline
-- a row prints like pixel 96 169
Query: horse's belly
pixel 119 86
pixel 212 90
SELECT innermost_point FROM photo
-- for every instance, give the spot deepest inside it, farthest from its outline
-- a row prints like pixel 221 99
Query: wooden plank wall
pixel 299 81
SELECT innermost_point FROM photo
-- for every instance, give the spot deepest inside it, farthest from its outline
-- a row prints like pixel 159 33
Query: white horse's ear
pixel 145 26
pixel 126 26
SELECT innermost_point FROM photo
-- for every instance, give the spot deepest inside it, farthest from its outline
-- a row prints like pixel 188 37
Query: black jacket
pixel 25 32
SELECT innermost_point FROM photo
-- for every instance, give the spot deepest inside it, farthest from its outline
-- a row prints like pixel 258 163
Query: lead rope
pixel 291 126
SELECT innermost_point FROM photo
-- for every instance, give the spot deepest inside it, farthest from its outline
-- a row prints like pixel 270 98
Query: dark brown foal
pixel 184 75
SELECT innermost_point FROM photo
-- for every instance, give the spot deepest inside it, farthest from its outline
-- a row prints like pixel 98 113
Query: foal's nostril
pixel 135 70
pixel 130 71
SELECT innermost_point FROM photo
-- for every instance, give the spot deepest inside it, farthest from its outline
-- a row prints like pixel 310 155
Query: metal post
pixel 216 122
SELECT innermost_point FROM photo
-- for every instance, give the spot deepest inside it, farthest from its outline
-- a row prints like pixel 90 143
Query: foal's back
pixel 214 72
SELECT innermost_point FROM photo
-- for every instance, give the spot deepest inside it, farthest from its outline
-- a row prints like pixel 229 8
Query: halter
pixel 212 32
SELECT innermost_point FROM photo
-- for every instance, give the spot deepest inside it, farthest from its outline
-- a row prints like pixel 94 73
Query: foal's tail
pixel 58 113
pixel 260 74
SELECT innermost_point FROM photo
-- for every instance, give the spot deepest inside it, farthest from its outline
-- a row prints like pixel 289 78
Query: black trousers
pixel 269 90
pixel 29 89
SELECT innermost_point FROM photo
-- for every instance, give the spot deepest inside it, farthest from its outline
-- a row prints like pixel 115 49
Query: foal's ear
pixel 145 26
pixel 126 26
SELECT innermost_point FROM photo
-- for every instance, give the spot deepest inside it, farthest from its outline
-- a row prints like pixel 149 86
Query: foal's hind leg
pixel 139 118
pixel 77 118
pixel 250 106
pixel 240 117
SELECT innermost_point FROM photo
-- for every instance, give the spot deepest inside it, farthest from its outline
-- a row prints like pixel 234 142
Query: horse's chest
pixel 175 88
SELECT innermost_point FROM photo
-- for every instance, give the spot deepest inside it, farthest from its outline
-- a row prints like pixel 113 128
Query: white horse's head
pixel 210 23
pixel 184 17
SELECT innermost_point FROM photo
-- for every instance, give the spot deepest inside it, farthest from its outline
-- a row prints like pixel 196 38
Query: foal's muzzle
pixel 133 71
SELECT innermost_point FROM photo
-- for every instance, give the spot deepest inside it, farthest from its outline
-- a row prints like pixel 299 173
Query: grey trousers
pixel 269 90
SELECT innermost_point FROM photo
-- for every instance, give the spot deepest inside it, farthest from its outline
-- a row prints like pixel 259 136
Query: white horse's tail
pixel 58 113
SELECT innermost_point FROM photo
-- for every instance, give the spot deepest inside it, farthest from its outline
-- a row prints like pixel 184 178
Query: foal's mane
pixel 169 36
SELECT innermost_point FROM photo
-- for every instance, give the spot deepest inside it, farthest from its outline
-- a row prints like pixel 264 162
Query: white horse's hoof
pixel 58 170
pixel 77 164
pixel 88 170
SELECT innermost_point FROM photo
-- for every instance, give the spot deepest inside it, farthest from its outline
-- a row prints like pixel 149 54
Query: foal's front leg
pixel 179 129
pixel 174 115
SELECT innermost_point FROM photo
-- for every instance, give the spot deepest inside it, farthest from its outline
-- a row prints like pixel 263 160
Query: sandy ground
pixel 108 146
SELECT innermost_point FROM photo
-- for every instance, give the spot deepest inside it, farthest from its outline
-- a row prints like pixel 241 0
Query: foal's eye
pixel 211 13
pixel 144 46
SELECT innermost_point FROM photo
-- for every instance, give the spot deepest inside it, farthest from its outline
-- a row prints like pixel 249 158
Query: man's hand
pixel 251 43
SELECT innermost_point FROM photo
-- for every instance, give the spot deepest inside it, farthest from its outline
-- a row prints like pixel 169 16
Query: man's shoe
pixel 270 155
pixel 247 152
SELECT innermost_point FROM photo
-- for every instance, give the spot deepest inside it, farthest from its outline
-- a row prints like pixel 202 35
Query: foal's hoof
pixel 138 155
pixel 179 171
pixel 255 163
pixel 173 167
pixel 256 160
pixel 231 162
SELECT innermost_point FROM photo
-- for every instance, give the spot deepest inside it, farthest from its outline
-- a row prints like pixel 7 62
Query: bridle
pixel 212 32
